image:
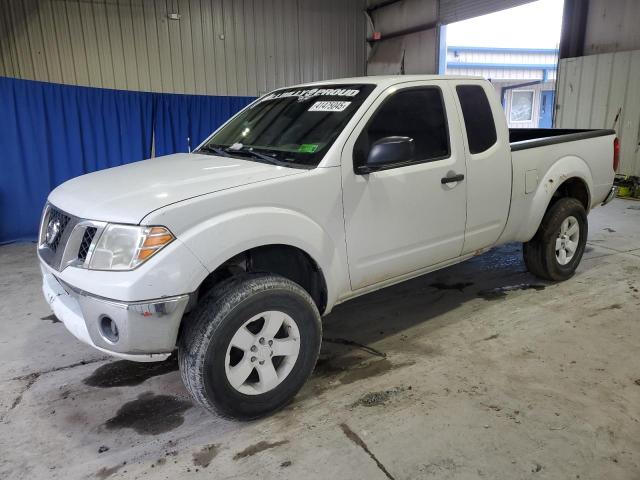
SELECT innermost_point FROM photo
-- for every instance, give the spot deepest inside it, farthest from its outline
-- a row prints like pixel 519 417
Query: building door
pixel 546 109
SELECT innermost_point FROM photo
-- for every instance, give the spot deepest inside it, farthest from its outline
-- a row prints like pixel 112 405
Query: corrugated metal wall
pixel 592 90
pixel 612 26
pixel 458 56
pixel 216 47
pixel 411 53
pixel 500 73
pixel 479 55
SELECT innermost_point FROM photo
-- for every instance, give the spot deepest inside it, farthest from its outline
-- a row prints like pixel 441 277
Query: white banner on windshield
pixel 313 92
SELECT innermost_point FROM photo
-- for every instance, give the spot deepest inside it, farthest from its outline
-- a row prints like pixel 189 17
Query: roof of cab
pixel 386 80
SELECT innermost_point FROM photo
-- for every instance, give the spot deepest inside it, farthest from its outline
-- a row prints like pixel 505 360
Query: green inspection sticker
pixel 308 147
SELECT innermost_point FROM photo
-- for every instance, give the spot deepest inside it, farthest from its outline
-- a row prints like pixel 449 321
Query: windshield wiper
pixel 213 149
pixel 258 155
pixel 225 151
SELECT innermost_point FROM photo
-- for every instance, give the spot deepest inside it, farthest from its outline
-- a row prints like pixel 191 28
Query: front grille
pixel 87 238
pixel 69 238
pixel 55 214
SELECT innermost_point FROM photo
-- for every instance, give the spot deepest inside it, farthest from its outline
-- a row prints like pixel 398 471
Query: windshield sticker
pixel 329 106
pixel 308 148
pixel 303 95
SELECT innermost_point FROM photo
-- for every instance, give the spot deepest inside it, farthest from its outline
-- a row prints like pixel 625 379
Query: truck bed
pixel 523 138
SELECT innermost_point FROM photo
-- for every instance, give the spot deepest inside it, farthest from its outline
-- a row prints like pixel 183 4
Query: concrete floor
pixel 479 370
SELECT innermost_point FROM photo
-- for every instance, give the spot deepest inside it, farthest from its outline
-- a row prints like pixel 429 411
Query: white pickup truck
pixel 310 196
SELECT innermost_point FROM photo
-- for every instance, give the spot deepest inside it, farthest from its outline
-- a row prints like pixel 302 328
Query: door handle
pixel 456 178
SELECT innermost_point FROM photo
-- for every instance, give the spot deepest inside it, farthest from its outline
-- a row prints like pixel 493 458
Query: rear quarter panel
pixel 551 165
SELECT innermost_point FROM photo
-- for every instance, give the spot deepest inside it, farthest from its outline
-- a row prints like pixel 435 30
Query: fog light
pixel 109 329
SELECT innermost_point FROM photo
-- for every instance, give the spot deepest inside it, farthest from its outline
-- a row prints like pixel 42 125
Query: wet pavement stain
pixel 51 318
pixel 460 286
pixel 370 369
pixel 105 472
pixel 355 438
pixel 501 292
pixel 150 414
pixel 351 369
pixel 613 306
pixel 375 399
pixel 491 337
pixel 203 457
pixel 29 380
pixel 366 348
pixel 123 373
pixel 257 448
pixel 330 366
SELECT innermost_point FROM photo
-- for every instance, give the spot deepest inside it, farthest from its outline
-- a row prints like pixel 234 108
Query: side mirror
pixel 387 151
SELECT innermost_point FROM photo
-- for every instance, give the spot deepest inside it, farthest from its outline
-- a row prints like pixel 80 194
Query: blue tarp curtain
pixel 180 119
pixel 50 133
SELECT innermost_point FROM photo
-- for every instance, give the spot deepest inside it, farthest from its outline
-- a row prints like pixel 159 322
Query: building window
pixel 521 106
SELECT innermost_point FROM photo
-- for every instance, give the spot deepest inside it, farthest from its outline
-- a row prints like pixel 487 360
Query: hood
pixel 126 194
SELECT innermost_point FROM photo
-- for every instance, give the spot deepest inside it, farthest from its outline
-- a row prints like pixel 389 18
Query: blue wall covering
pixel 194 117
pixel 50 133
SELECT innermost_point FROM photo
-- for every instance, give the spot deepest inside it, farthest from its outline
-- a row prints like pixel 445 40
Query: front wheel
pixel 250 346
pixel 555 251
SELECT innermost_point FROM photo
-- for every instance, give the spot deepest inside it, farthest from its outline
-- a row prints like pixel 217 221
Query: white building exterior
pixel 524 79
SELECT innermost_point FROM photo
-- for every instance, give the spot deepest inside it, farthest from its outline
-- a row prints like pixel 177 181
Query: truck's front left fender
pixel 226 235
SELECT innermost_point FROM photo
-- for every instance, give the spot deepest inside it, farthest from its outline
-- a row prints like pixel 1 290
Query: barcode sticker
pixel 329 106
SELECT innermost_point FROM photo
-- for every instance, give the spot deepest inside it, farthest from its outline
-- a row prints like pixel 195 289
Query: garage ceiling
pixel 449 10
pixel 409 30
pixel 456 10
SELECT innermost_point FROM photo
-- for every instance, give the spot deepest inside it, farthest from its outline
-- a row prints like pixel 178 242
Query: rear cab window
pixel 478 119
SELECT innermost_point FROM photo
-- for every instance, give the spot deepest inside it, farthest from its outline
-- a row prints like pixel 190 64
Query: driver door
pixel 406 215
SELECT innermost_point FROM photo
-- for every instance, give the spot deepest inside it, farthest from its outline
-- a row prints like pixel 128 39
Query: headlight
pixel 124 247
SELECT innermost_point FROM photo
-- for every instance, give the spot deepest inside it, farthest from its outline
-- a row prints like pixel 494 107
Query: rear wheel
pixel 250 346
pixel 555 251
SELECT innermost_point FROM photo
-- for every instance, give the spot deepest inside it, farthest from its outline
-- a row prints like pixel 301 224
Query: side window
pixel 478 120
pixel 417 113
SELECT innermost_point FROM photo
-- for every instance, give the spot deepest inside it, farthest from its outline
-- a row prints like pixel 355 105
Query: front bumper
pixel 146 331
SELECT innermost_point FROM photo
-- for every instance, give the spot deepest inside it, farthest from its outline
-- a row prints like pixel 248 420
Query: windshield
pixel 293 126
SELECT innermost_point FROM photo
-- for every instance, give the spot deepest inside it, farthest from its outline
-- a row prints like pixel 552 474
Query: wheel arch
pixel 286 260
pixel 574 187
pixel 221 238
pixel 569 177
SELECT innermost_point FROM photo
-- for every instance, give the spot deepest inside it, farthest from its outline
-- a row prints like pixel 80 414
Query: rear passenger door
pixel 486 144
pixel 408 215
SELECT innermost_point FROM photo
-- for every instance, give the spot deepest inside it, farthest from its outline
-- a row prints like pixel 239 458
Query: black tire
pixel 209 329
pixel 540 252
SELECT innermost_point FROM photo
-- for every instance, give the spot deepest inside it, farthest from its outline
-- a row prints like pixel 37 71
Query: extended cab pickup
pixel 308 197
